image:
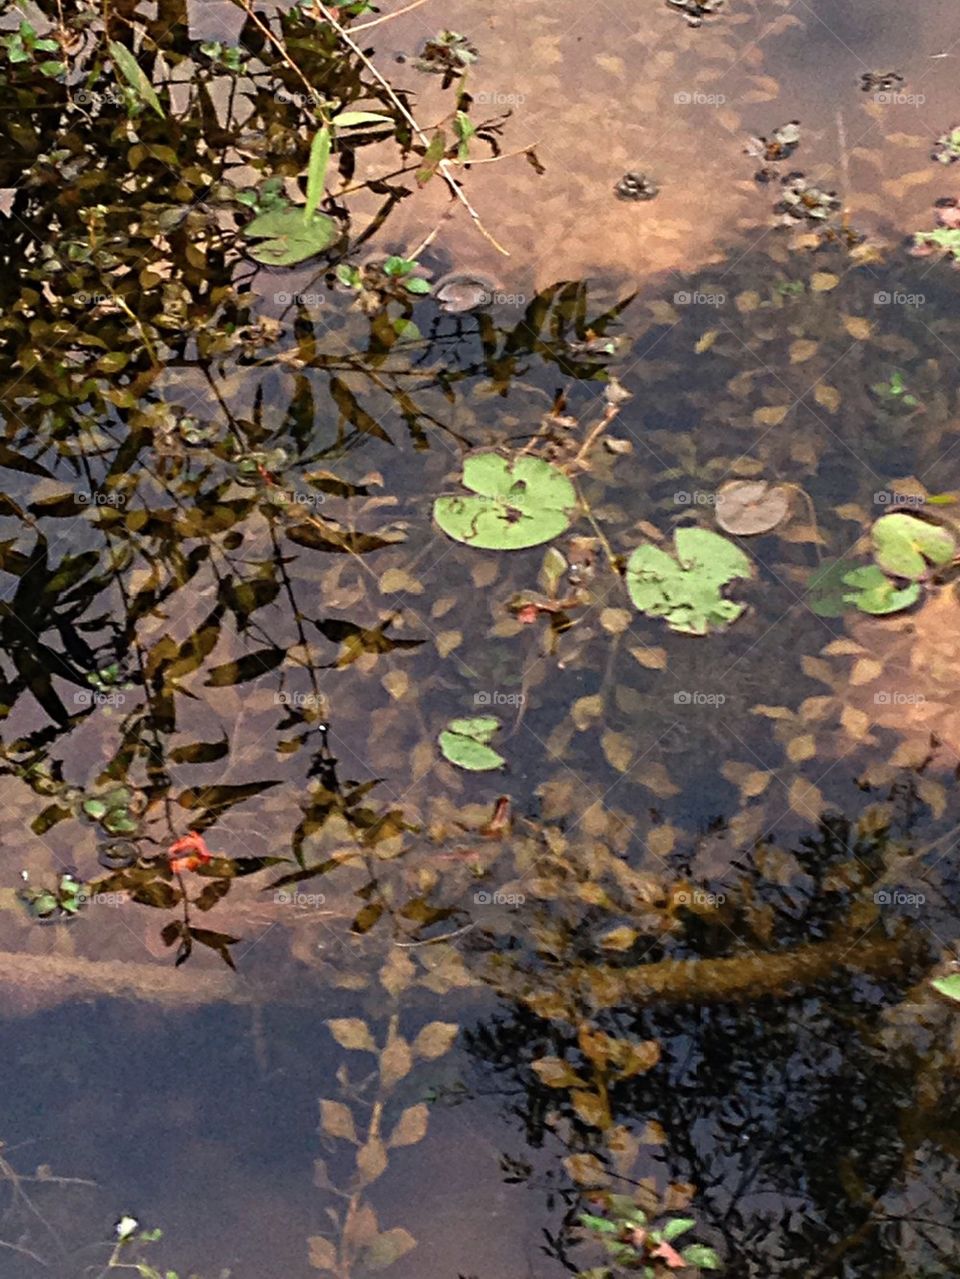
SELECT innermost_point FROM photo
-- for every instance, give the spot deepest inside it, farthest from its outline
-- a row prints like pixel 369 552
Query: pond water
pixel 279 975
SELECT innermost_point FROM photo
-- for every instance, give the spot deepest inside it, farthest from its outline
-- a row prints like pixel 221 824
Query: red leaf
pixel 192 844
pixel 499 823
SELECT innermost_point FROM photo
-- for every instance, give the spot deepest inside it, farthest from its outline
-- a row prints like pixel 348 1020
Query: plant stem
pixel 443 167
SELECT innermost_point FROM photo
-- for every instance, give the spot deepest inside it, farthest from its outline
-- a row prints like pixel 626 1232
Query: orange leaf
pixel 669 1255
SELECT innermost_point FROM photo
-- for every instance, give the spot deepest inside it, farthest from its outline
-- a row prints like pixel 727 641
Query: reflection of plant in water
pixel 358 1241
pixel 650 1022
pixel 33 1234
pixel 448 54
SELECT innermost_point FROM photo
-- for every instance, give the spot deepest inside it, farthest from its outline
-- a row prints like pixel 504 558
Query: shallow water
pixel 738 849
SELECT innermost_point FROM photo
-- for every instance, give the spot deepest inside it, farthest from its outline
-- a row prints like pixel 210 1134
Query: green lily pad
pixel 873 592
pixel 94 808
pixel 464 743
pixel 515 505
pixel 686 590
pixel 904 545
pixel 949 985
pixel 288 237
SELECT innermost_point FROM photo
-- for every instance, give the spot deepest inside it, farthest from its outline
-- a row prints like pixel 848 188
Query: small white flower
pixel 126 1226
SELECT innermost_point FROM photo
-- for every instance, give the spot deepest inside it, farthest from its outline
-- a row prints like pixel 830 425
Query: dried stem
pixel 247 7
pixel 443 168
pixel 388 17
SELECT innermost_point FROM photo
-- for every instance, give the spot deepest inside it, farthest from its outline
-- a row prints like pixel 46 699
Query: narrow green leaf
pixel 132 72
pixel 676 1227
pixel 347 119
pixel 317 171
pixel 949 986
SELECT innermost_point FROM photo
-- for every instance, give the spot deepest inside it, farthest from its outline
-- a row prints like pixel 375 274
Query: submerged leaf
pixel 289 236
pixel 746 507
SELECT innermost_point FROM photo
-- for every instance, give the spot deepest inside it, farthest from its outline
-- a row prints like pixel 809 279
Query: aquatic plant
pixel 684 588
pixel 895 391
pixel 947 149
pixel 466 743
pixel 635 1245
pixel 516 504
pixel 905 550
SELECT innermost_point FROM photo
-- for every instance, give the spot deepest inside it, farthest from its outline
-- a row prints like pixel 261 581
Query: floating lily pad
pixel 949 986
pixel 289 238
pixel 873 592
pixel 746 507
pixel 686 590
pixel 904 545
pixel 515 505
pixel 464 743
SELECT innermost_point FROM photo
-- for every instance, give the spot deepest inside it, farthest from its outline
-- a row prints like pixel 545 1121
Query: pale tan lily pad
pixel 747 507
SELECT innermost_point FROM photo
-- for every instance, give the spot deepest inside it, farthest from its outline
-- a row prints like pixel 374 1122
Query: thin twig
pixel 247 7
pixel 445 217
pixel 844 163
pixel 504 155
pixel 443 168
pixel 611 412
pixel 435 941
pixel 388 17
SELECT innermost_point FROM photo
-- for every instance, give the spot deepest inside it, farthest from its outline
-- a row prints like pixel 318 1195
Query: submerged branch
pixel 749 976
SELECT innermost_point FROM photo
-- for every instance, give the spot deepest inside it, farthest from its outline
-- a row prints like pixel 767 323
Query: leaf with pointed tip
pixel 317 171
pixel 350 119
pixel 248 667
pixel 132 72
pixel 949 986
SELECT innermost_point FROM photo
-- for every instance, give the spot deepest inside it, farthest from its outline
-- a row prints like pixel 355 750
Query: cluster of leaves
pixel 895 392
pixel 466 743
pixel 66 898
pixel 636 1246
pixel 24 45
pixel 905 551
pixel 947 148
